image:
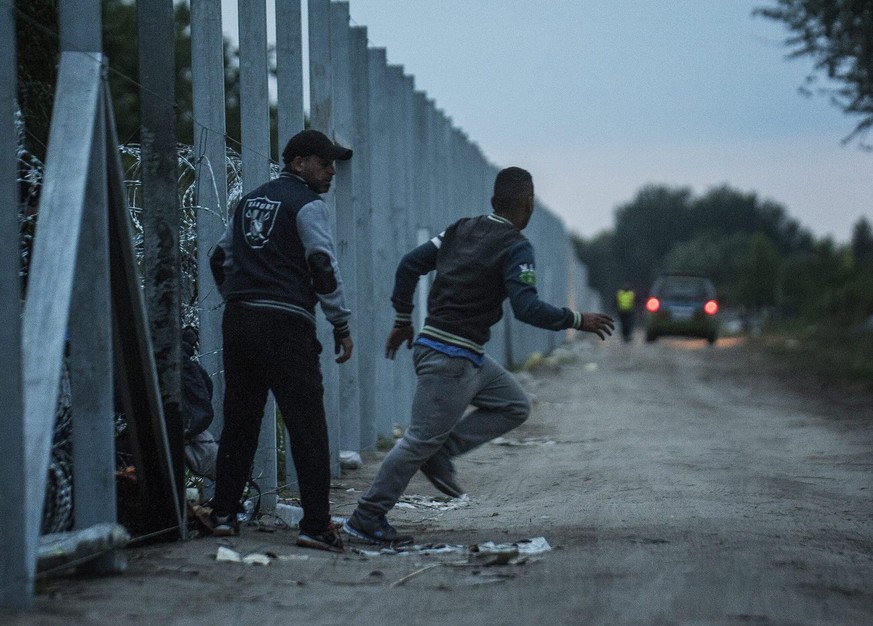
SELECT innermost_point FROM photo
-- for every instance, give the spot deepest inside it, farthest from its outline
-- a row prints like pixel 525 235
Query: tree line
pixel 37 44
pixel 760 259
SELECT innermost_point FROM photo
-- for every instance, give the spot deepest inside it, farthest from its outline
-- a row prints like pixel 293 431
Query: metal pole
pixel 50 280
pixel 419 195
pixel 18 562
pixel 368 337
pixel 255 130
pixel 91 352
pixel 254 99
pixel 207 85
pixel 346 206
pixel 160 220
pixel 289 93
pixel 289 70
pixel 395 162
pixel 90 318
pixel 384 264
pixel 321 118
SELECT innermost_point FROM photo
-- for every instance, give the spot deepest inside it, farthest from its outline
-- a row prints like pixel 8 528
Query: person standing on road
pixel 624 304
pixel 274 263
pixel 479 262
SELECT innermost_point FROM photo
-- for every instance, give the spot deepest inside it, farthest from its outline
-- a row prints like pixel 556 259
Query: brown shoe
pixel 328 540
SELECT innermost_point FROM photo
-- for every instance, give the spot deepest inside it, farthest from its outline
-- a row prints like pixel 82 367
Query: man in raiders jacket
pixel 274 263
pixel 479 262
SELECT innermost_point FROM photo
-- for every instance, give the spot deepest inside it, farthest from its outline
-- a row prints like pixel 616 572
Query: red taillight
pixel 652 305
pixel 711 307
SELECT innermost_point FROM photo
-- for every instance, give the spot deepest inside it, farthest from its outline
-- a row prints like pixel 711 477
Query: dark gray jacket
pixel 479 262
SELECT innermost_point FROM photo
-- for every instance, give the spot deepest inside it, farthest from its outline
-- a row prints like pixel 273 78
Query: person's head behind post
pixel 514 195
pixel 310 155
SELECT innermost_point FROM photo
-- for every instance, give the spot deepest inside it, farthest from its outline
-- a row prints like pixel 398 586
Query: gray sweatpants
pixel 446 387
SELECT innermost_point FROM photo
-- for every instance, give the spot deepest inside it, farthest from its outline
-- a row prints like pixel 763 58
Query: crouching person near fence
pixel 201 448
pixel 479 262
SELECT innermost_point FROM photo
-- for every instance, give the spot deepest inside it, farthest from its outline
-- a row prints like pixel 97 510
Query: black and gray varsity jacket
pixel 479 262
pixel 278 253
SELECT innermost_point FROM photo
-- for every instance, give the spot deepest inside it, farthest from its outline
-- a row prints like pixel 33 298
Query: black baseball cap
pixel 309 142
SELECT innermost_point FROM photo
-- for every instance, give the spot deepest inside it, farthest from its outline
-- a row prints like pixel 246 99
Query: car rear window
pixel 684 287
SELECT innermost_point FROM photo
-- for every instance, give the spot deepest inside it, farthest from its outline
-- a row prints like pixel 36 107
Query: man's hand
pixel 597 323
pixel 397 336
pixel 344 346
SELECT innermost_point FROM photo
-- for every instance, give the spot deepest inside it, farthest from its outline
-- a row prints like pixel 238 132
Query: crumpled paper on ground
pixel 487 554
pixel 232 556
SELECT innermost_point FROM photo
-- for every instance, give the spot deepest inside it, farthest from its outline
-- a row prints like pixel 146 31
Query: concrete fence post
pixel 396 163
pixel 207 86
pixel 162 266
pixel 255 152
pixel 289 96
pixel 321 112
pixel 384 264
pixel 16 566
pixel 346 220
pixel 369 329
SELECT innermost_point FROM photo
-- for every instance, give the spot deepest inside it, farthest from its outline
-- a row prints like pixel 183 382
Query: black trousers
pixel 626 320
pixel 273 351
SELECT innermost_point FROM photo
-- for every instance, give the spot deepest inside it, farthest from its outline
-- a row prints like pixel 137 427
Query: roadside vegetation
pixel 807 301
pixel 810 298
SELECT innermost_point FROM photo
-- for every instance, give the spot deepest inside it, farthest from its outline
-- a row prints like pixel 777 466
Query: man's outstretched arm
pixel 519 275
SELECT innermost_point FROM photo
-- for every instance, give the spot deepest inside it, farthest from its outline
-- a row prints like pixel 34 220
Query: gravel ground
pixel 674 483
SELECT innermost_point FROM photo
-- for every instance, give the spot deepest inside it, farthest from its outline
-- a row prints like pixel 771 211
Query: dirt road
pixel 674 482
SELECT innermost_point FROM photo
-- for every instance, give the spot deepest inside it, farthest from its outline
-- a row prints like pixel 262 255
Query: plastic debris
pixel 484 554
pixel 537 545
pixel 493 555
pixel 248 513
pixel 533 441
pixel 227 555
pixel 349 459
pixel 415 501
pixel 289 514
pixel 256 559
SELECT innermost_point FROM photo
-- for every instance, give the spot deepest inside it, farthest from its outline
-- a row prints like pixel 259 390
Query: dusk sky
pixel 600 97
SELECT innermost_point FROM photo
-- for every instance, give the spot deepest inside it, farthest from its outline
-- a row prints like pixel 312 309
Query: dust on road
pixel 675 482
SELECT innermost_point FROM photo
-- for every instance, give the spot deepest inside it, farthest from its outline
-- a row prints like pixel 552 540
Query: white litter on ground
pixel 531 441
pixel 227 555
pixel 488 553
pixel 530 547
pixel 256 559
pixel 416 501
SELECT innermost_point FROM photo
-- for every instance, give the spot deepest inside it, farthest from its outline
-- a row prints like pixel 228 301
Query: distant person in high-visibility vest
pixel 624 304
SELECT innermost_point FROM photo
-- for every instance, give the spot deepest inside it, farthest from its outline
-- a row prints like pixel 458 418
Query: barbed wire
pixel 59 507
